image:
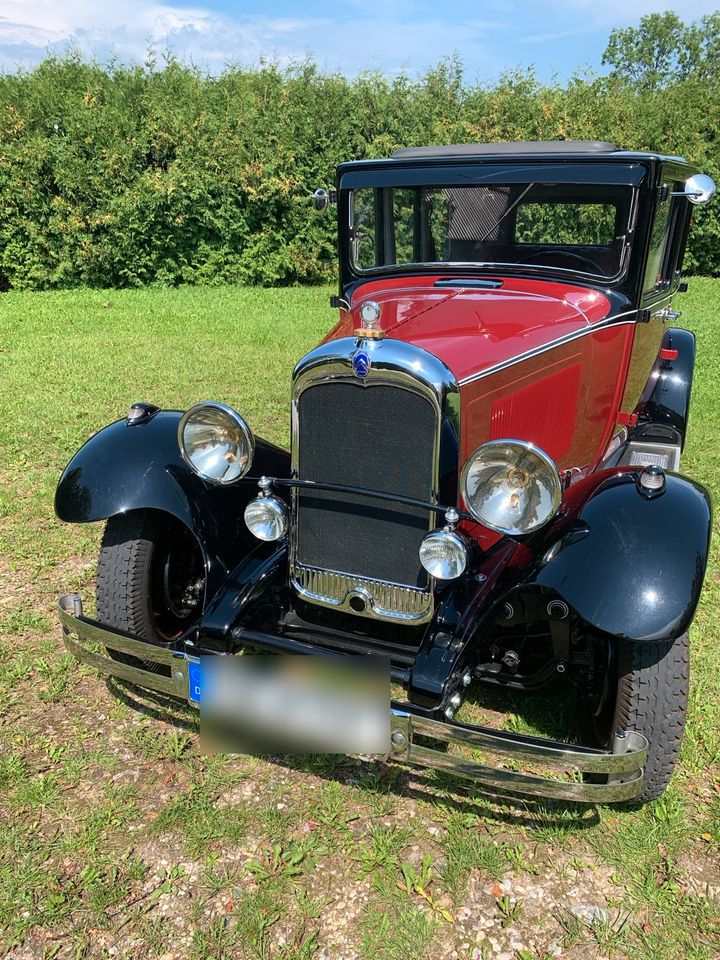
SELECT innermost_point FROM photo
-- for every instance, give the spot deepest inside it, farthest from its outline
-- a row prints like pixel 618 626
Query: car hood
pixel 472 329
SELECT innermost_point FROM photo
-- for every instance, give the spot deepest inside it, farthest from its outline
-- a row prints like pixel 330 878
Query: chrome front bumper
pixel 566 763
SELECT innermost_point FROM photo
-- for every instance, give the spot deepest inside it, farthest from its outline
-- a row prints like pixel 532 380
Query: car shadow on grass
pixel 374 777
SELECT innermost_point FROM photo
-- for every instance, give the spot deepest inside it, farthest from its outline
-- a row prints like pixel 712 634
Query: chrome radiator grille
pixel 350 551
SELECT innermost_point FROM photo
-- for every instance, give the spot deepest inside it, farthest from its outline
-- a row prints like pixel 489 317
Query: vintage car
pixel 482 482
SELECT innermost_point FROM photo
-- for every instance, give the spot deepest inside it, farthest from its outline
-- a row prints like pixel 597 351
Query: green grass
pixel 119 835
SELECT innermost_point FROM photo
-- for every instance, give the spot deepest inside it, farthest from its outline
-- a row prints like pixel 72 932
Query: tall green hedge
pixel 122 176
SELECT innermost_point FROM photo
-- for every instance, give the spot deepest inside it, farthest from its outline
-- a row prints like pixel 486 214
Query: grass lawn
pixel 119 839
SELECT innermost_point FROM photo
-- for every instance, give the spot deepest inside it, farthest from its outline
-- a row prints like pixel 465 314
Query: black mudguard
pixel 665 406
pixel 139 467
pixel 629 566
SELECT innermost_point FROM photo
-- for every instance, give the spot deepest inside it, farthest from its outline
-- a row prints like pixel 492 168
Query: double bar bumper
pixel 549 768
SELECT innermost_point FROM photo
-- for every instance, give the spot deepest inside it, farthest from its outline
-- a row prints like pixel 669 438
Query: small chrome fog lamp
pixel 266 516
pixel 216 442
pixel 511 486
pixel 444 553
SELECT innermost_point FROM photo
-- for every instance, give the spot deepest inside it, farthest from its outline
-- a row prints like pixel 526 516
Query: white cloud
pixel 391 39
pixel 391 35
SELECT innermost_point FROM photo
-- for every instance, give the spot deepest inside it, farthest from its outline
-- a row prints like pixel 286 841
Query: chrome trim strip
pixel 398 364
pixel 624 768
pixel 616 320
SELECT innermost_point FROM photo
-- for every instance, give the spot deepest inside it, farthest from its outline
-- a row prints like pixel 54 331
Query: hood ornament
pixel 369 316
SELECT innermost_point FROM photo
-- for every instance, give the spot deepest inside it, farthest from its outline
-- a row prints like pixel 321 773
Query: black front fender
pixel 629 566
pixel 139 467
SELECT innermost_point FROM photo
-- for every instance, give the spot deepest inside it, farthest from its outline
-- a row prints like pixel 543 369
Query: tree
pixel 662 50
pixel 658 52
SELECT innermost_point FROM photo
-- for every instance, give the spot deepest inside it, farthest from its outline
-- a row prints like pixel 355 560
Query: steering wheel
pixel 562 254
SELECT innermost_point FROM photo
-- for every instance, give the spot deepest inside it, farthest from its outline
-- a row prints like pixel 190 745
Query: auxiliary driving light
pixel 216 443
pixel 266 516
pixel 444 554
pixel 511 486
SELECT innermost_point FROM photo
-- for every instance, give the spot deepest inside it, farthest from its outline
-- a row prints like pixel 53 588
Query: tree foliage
pixel 662 50
pixel 130 175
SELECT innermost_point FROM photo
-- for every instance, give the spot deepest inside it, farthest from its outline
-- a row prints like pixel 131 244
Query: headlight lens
pixel 511 486
pixel 216 442
pixel 267 518
pixel 443 554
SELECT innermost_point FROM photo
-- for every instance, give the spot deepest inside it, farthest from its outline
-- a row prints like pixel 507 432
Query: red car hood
pixel 471 329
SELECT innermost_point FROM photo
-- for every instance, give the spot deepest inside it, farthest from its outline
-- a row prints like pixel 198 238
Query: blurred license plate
pixel 293 704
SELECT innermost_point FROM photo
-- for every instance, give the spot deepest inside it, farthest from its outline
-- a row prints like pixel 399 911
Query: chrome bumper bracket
pixel 623 768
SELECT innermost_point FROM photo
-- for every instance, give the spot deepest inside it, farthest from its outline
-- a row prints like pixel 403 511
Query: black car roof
pixel 523 150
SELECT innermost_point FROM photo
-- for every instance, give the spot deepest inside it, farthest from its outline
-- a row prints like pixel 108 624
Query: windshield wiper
pixel 512 206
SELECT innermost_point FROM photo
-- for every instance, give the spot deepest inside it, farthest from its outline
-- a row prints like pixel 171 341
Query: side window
pixel 404 200
pixel 664 249
pixel 364 227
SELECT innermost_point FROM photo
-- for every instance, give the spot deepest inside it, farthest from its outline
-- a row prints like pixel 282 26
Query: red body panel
pixel 565 398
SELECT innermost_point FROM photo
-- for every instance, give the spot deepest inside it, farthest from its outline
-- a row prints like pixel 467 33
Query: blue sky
pixel 556 37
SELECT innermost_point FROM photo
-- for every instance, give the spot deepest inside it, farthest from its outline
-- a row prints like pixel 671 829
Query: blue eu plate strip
pixel 194 681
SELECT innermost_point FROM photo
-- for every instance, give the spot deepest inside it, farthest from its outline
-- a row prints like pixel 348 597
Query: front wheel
pixel 647 691
pixel 150 578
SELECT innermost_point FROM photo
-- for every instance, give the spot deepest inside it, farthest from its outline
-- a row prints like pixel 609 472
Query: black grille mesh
pixel 364 435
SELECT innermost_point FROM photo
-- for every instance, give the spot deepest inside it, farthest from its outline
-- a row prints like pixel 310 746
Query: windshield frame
pixel 432 266
pixel 391 174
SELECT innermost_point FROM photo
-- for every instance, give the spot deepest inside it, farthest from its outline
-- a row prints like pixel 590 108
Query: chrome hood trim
pixel 403 363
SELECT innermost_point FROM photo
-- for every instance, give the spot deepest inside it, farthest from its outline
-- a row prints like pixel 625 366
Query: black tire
pixel 150 578
pixel 651 697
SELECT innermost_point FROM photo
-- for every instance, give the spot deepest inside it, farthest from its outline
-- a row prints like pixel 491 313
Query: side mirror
pixel 700 188
pixel 322 199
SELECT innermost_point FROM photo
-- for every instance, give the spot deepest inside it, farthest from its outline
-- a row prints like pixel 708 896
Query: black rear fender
pixel 665 406
pixel 139 467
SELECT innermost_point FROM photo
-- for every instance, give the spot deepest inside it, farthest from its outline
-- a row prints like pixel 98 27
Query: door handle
pixel 667 313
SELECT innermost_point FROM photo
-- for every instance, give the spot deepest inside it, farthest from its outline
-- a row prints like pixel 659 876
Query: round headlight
pixel 443 554
pixel 216 442
pixel 511 486
pixel 266 518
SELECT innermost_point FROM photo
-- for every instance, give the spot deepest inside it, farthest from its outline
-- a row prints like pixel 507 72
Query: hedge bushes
pixel 124 176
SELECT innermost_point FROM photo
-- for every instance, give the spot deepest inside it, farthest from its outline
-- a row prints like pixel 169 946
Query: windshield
pixel 574 227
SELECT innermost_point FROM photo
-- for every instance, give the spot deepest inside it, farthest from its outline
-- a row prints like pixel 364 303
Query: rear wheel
pixel 150 578
pixel 647 691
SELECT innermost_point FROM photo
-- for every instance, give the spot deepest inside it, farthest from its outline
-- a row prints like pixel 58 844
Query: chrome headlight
pixel 267 518
pixel 216 443
pixel 511 486
pixel 444 554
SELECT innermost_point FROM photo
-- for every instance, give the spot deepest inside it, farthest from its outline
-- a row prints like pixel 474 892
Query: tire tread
pixel 123 573
pixel 652 700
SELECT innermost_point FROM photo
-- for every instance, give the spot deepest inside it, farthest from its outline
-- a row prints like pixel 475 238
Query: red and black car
pixel 482 485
